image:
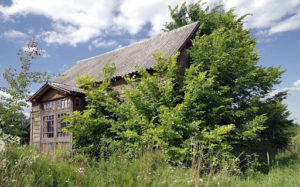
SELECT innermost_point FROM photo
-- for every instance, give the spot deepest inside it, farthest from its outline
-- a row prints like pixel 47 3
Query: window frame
pixel 46 119
pixel 51 113
pixel 48 106
pixel 59 132
pixel 64 103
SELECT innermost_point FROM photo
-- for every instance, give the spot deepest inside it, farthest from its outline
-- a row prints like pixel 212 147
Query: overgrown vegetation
pixel 13 121
pixel 219 107
pixel 23 166
pixel 215 125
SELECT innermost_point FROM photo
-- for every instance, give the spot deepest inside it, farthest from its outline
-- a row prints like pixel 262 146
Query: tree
pixel 234 65
pixel 217 107
pixel 210 19
pixel 12 118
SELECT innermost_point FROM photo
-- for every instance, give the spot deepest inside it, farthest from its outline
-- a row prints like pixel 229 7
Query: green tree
pixel 231 59
pixel 220 105
pixel 210 19
pixel 12 118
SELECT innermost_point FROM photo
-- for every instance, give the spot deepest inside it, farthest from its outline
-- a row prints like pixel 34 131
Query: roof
pixel 57 86
pixel 126 58
pixel 65 88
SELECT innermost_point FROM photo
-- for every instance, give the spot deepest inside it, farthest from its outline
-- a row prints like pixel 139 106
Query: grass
pixel 23 166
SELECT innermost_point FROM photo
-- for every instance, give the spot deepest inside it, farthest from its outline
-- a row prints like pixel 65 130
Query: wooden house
pixel 62 96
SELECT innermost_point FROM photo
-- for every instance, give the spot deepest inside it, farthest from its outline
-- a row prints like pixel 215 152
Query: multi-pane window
pixel 52 123
pixel 48 126
pixel 64 103
pixel 61 125
pixel 48 106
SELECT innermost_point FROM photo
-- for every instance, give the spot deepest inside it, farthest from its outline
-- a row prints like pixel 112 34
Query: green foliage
pixel 210 19
pixel 12 118
pixel 23 166
pixel 225 50
pixel 220 105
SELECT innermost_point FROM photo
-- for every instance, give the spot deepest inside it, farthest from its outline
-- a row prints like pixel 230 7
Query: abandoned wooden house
pixel 60 97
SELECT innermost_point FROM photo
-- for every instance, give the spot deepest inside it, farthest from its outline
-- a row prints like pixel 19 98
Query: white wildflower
pixel 2 145
pixel 80 170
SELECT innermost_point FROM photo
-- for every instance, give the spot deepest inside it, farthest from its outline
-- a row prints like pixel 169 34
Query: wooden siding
pixel 35 134
pixel 52 95
pixel 48 145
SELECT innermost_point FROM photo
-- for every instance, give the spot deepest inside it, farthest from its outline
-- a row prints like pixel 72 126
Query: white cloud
pixel 31 30
pixel 26 109
pixel 273 15
pixel 77 21
pixel 290 90
pixel 134 14
pixel 99 42
pixel 297 83
pixel 13 34
pixel 296 118
pixel 291 23
pixel 45 54
pixel 4 94
pixel 74 21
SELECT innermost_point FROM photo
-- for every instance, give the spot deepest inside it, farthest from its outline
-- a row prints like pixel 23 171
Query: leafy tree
pixel 220 105
pixel 231 59
pixel 210 19
pixel 12 118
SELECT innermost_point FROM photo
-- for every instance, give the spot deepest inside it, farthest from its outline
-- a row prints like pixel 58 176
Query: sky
pixel 71 30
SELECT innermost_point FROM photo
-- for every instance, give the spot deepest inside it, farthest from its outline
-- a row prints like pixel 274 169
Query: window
pixel 48 106
pixel 48 126
pixel 77 102
pixel 61 125
pixel 64 103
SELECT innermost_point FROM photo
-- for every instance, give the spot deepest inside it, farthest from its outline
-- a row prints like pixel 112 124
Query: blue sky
pixel 72 30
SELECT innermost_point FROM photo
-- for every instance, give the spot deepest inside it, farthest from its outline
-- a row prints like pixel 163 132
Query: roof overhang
pixel 57 86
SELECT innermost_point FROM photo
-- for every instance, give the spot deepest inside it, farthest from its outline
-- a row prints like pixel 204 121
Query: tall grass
pixel 24 166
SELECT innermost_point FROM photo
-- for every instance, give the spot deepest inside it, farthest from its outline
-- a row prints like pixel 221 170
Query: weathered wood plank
pixel 51 95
